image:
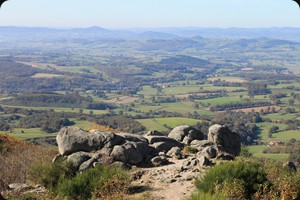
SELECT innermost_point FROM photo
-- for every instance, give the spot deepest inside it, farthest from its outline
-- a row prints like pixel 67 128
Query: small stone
pixel 177 176
pixel 203 161
pixel 19 187
pixel 162 154
pixel 56 158
pixel 159 161
pixel 189 177
pixel 175 152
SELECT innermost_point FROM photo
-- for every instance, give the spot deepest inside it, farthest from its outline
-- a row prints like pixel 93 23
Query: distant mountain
pixel 95 32
pixel 156 35
pixel 285 33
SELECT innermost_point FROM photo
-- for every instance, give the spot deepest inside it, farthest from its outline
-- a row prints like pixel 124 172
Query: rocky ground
pixel 162 166
pixel 174 181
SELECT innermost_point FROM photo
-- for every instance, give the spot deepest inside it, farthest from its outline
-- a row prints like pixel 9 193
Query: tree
pixel 291 102
pixel 273 129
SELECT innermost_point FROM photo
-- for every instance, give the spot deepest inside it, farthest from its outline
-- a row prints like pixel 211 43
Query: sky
pixel 117 14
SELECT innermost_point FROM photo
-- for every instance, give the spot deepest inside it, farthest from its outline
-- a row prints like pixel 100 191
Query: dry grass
pixel 17 157
pixel 229 79
pixel 258 109
pixel 122 100
pixel 42 75
pixel 181 96
pixel 99 127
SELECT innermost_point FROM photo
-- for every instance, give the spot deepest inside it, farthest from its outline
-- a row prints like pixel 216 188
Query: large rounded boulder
pixel 224 138
pixel 72 139
pixel 186 134
pixel 132 153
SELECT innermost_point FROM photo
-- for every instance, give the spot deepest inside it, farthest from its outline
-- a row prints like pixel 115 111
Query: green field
pixel 81 124
pixel 37 133
pixel 161 124
pixel 257 151
pixel 29 133
pixel 228 79
pixel 285 136
pixel 278 116
pixel 60 109
pixel 264 130
pixel 222 100
pixel 176 121
pixel 152 125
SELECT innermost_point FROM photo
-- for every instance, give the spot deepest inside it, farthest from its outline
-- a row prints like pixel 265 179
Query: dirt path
pixel 170 182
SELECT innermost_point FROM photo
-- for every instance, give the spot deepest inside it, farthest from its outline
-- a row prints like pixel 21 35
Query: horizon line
pixel 141 28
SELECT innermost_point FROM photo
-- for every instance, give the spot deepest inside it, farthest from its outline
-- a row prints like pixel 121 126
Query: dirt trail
pixel 169 182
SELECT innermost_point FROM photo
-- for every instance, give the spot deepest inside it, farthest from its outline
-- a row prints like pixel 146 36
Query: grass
pixel 278 116
pixel 181 89
pixel 161 124
pixel 229 79
pixel 206 112
pixel 176 121
pixel 76 69
pixel 257 151
pixel 81 124
pixel 148 90
pixel 286 135
pixel 29 133
pixel 265 126
pixel 59 109
pixel 181 107
pixel 148 108
pixel 37 133
pixel 151 124
pixel 223 100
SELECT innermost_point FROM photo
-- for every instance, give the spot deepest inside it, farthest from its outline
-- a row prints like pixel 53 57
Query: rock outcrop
pixel 85 149
pixel 71 140
pixel 186 134
pixel 226 140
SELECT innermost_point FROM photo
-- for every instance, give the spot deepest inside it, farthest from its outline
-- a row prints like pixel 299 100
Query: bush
pixel 51 175
pixel 207 196
pixel 248 174
pixel 62 182
pixel 245 152
pixel 249 179
pixel 285 181
pixel 189 150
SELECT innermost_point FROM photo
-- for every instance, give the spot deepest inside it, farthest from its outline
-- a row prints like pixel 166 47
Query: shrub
pixel 112 189
pixel 284 180
pixel 255 179
pixel 51 175
pixel 189 150
pixel 207 196
pixel 250 174
pixel 245 152
pixel 62 182
pixel 234 189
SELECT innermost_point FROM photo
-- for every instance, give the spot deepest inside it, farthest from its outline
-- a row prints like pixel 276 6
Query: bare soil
pixel 168 182
pixel 122 100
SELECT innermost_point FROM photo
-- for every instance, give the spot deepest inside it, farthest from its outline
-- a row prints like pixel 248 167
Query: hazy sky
pixel 150 13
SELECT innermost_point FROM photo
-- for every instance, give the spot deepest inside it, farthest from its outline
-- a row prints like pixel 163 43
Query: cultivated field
pixel 41 75
pixel 122 100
